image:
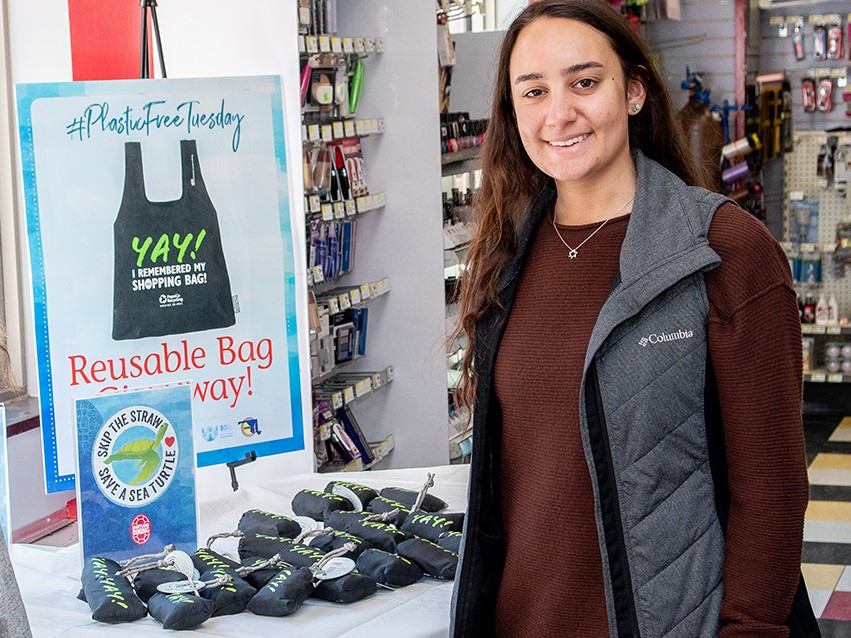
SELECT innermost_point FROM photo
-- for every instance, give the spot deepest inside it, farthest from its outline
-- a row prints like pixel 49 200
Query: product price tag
pixel 834 330
pixel 304 132
pixel 348 45
pixel 336 45
pixel 364 291
pixel 327 133
pixel 360 129
pixel 351 209
pixel 379 43
pixel 375 288
pixel 324 44
pixel 380 125
pixel 309 278
pixel 818 377
pixel 345 301
pixel 369 45
pixel 360 204
pixel 363 387
pixel 318 275
pixel 302 46
pixel 349 394
pixel 181 587
pixel 354 293
pixel 377 381
pixel 834 378
pixel 339 130
pixel 816 19
pixel 339 210
pixel 349 128
pixel 313 132
pixel 312 43
pixel 337 400
pixel 373 126
pixel 389 373
pixel 327 212
pixel 359 49
pixel 333 305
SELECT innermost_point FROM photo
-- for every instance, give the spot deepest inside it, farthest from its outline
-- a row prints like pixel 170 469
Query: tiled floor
pixel 827 528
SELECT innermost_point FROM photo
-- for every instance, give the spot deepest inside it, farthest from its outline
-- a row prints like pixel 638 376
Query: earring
pixel 636 108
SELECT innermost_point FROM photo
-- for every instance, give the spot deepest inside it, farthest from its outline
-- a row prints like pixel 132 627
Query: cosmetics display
pixel 333 77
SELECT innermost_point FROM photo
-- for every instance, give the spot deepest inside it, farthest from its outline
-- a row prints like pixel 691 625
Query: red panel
pixel 105 39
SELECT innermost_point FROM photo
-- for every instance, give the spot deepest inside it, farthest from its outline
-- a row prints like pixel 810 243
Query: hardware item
pixel 808 94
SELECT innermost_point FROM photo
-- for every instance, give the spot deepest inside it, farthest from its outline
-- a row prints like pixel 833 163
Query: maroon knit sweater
pixel 552 583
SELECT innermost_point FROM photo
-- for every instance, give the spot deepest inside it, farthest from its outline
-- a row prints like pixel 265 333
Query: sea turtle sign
pixel 136 472
pixel 135 456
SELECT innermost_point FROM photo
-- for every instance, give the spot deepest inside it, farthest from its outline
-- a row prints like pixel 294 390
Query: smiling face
pixel 572 103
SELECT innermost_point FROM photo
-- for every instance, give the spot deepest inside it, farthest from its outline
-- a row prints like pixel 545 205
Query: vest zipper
pixel 626 617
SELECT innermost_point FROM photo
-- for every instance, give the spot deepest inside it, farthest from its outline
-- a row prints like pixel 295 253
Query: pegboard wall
pixel 800 174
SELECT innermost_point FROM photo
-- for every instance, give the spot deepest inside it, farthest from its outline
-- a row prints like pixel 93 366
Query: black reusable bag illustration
pixel 170 271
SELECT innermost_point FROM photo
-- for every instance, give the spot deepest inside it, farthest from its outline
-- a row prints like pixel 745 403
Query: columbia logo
pixel 665 336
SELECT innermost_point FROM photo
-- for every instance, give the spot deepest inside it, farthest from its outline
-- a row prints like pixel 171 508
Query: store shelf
pixel 359 46
pixel 338 129
pixel 380 450
pixel 821 376
pixel 460 156
pixel 813 329
pixel 786 4
pixel 345 389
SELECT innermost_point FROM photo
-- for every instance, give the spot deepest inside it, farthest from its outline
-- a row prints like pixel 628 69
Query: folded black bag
pixel 409 498
pixel 350 588
pixel 362 493
pixel 431 526
pixel 284 593
pixel 342 520
pixel 379 535
pixel 231 597
pixel 145 583
pixel 431 557
pixel 110 597
pixel 258 578
pixel 330 542
pixel 205 559
pixel 451 541
pixel 383 505
pixel 388 569
pixel 259 522
pixel 180 611
pixel 262 545
pixel 318 505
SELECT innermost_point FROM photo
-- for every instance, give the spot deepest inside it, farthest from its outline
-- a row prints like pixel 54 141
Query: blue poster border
pixel 26 94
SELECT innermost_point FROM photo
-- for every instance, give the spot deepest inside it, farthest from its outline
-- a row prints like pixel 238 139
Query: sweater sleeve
pixel 755 346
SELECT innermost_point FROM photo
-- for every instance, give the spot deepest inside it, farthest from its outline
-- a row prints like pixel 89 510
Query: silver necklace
pixel 574 252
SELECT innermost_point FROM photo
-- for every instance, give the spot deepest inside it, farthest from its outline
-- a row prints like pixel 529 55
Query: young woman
pixel 635 365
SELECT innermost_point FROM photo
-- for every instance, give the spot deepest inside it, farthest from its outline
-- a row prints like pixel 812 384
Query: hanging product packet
pixel 388 569
pixel 180 611
pixel 257 521
pixel 110 597
pixel 433 559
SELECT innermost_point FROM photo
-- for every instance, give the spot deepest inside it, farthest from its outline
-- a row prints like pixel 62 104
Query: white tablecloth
pixel 50 577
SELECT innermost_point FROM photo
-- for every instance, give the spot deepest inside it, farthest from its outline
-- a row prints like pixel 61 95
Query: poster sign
pixel 161 249
pixel 136 472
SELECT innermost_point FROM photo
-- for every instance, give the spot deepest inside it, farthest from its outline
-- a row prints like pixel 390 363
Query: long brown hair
pixel 510 181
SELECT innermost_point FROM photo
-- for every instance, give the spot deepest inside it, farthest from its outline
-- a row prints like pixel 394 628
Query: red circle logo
pixel 140 529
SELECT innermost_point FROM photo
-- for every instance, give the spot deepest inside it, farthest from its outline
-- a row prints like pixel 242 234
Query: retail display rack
pixel 367 199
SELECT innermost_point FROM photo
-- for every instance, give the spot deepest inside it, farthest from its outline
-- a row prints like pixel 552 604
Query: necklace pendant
pixel 572 254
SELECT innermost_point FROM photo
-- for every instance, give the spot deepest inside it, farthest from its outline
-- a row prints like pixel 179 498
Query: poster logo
pixel 249 426
pixel 140 529
pixel 135 456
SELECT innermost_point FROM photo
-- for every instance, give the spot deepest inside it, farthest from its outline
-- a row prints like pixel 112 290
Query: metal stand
pixel 250 457
pixel 145 69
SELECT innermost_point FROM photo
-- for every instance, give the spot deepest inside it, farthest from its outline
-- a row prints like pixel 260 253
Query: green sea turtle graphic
pixel 144 451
